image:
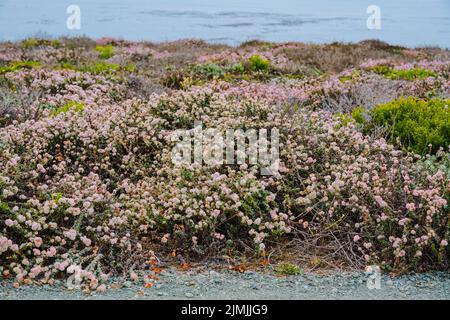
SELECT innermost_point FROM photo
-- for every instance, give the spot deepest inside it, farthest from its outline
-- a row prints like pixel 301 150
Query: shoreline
pixel 223 44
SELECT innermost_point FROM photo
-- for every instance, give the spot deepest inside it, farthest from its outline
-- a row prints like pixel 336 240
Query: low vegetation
pixel 88 186
pixel 422 126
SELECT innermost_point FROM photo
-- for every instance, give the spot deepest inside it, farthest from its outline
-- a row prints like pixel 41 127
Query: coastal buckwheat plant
pixel 89 189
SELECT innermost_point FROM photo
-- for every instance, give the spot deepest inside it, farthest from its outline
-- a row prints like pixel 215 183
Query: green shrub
pixel 258 63
pixel 344 119
pixel 417 123
pixel 129 68
pixel 210 70
pixel 237 68
pixel 410 74
pixel 101 68
pixel 288 269
pixel 67 66
pixel 351 77
pixel 359 115
pixel 105 52
pixel 32 43
pixel 381 69
pixel 71 105
pixel 15 66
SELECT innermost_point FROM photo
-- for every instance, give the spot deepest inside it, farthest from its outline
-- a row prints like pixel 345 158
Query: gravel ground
pixel 173 284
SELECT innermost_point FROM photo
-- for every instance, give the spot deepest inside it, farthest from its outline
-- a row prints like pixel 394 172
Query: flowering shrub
pixel 88 187
pixel 363 191
pixel 15 105
pixel 55 220
pixel 53 89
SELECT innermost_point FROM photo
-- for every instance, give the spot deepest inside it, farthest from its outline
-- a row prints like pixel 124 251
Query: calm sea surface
pixel 405 22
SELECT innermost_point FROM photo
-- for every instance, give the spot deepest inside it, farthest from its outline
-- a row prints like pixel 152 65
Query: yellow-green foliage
pixel 32 43
pixel 409 74
pixel 15 66
pixel 101 67
pixel 417 123
pixel 105 52
pixel 237 68
pixel 288 269
pixel 258 63
pixel 343 118
pixel 381 69
pixel 358 114
pixel 68 66
pixel 351 77
pixel 71 105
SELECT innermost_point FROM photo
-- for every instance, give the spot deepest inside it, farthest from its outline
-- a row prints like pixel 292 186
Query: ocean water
pixel 404 22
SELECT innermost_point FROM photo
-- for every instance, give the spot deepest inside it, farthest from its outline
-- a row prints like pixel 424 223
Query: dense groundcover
pixel 88 186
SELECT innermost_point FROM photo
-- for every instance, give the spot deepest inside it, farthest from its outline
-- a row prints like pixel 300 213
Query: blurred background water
pixel 404 22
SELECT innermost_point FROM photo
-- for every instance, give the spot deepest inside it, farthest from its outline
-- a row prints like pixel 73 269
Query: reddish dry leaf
pixel 157 270
pixel 239 268
pixel 185 266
